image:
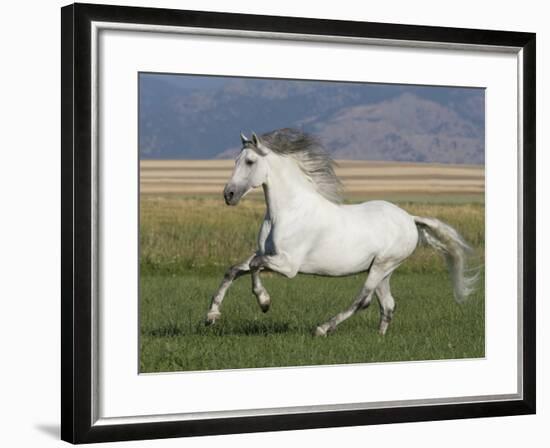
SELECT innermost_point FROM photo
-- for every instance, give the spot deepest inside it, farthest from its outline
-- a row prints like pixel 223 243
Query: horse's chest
pixel 285 237
pixel 266 238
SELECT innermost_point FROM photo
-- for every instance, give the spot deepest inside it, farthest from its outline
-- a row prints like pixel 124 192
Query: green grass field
pixel 187 243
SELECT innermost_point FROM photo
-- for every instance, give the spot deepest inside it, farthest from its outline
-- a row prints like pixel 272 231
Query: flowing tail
pixel 448 241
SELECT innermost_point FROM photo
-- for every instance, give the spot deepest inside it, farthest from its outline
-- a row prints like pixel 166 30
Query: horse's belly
pixel 359 238
pixel 337 270
pixel 338 259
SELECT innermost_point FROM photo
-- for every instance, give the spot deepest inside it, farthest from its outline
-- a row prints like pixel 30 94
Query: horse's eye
pixel 250 162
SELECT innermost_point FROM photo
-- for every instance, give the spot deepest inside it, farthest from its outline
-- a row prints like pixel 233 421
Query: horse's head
pixel 250 170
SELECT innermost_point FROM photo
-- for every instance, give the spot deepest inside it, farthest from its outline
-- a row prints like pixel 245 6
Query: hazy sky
pixel 210 82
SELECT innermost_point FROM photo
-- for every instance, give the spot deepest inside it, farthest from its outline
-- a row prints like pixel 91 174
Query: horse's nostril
pixel 228 195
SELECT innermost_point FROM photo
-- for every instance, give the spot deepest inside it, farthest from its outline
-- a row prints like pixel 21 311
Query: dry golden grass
pixel 207 177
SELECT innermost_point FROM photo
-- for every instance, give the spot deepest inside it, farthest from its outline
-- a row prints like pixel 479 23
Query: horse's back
pixel 379 213
pixel 379 217
pixel 377 207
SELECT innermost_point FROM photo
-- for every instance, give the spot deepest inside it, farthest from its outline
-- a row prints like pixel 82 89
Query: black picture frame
pixel 76 219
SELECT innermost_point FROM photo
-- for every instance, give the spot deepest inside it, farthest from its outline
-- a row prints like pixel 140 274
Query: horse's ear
pixel 244 140
pixel 262 149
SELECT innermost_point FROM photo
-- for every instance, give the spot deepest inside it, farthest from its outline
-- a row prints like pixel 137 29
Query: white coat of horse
pixel 307 230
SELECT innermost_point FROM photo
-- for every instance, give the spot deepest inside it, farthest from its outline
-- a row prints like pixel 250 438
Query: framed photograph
pixel 276 223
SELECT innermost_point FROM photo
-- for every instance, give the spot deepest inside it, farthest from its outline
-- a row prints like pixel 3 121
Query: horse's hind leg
pixel 387 304
pixel 231 274
pixel 362 301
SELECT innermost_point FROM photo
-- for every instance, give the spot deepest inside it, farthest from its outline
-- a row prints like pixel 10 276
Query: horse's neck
pixel 288 192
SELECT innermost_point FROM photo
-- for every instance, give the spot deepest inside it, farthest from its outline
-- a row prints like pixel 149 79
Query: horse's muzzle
pixel 230 195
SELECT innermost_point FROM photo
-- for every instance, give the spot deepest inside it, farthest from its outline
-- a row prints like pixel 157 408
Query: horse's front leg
pixel 231 274
pixel 260 292
pixel 280 263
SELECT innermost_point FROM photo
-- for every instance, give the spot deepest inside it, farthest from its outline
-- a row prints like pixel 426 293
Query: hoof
pixel 320 331
pixel 265 301
pixel 211 318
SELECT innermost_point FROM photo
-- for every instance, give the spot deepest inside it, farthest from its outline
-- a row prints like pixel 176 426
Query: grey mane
pixel 314 161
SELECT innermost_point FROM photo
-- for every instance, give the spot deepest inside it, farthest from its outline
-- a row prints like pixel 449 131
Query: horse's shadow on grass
pixel 258 328
pixel 239 328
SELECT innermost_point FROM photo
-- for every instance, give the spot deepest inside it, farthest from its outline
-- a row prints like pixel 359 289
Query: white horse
pixel 307 230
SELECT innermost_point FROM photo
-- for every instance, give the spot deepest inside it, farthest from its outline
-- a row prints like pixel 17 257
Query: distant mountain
pixel 354 121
